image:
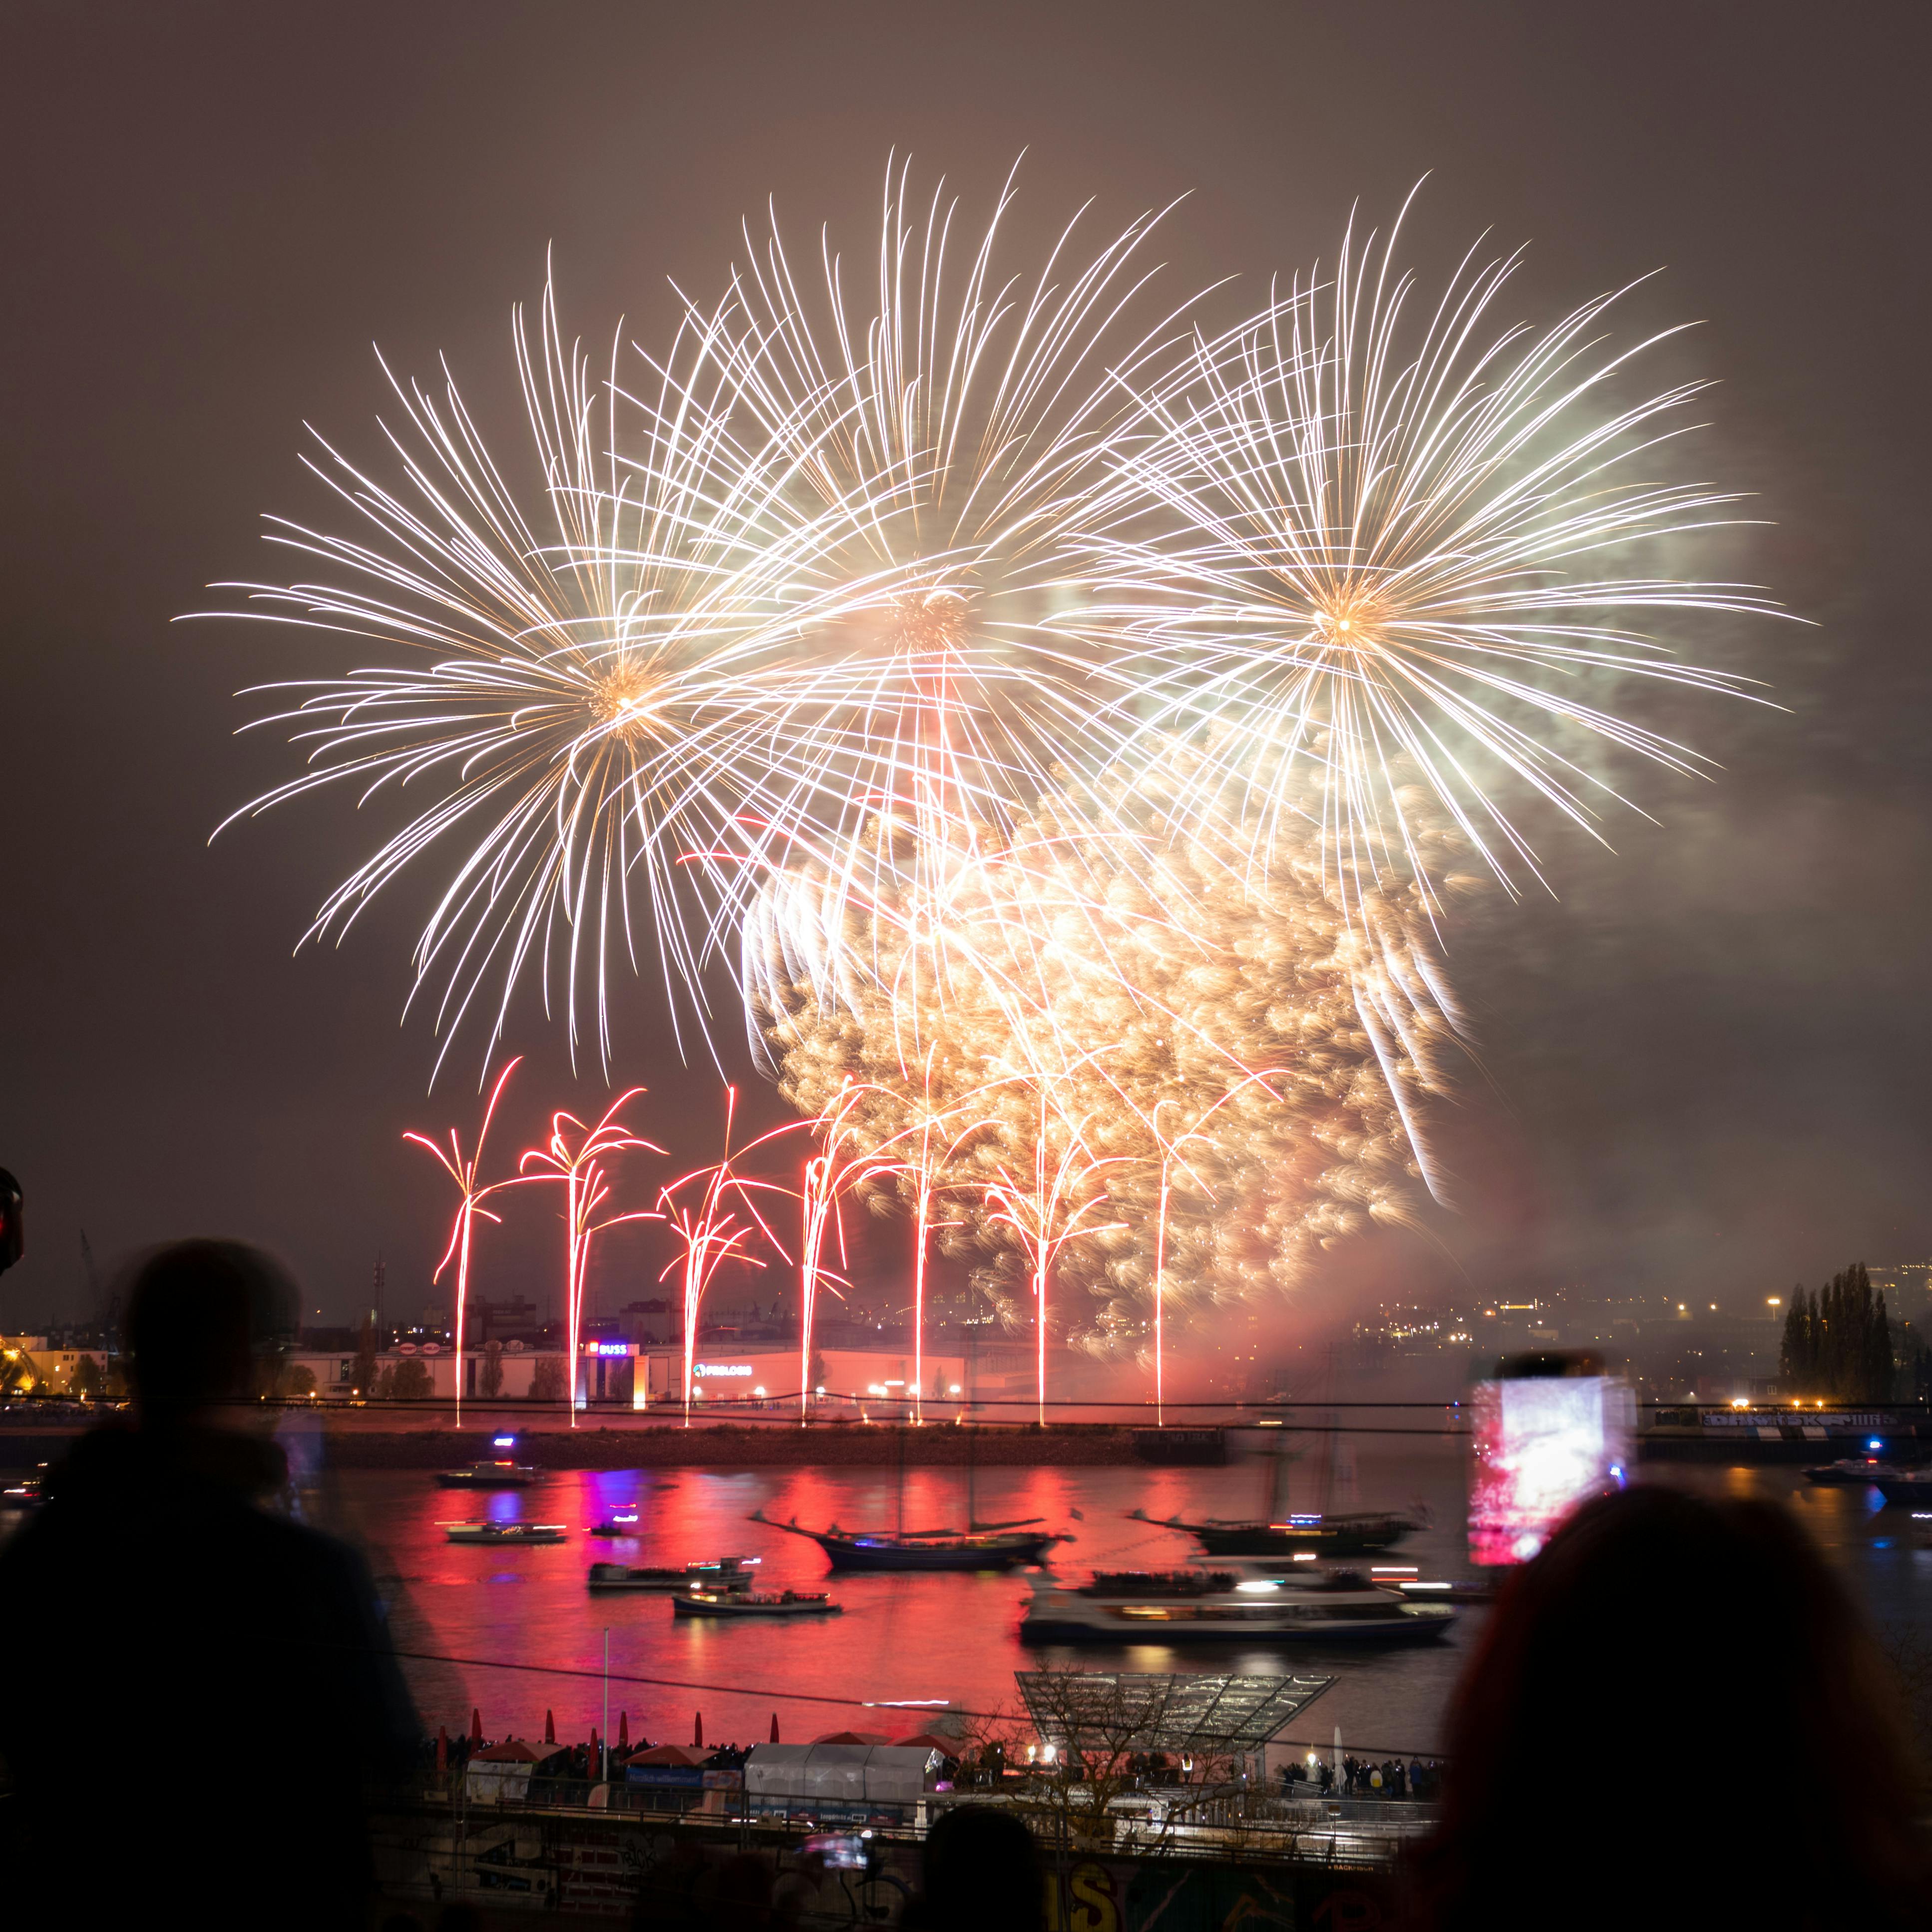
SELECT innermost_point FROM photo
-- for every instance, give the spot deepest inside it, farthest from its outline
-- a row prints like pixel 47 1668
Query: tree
pixel 1837 1344
pixel 546 1380
pixel 296 1381
pixel 409 1381
pixel 85 1380
pixel 492 1369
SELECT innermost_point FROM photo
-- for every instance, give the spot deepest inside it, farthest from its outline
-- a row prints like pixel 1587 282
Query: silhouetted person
pixel 199 1692
pixel 980 1872
pixel 1657 1628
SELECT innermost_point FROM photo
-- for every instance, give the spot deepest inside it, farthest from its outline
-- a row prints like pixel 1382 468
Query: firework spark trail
pixel 619 692
pixel 1382 552
pixel 955 424
pixel 720 1226
pixel 580 1170
pixel 465 1173
pixel 1236 1058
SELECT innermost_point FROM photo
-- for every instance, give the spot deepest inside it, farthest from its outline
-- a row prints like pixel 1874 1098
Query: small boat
pixel 1317 1535
pixel 749 1603
pixel 723 1573
pixel 512 1535
pixel 993 1546
pixel 1123 1607
pixel 616 1525
pixel 1863 1469
pixel 488 1476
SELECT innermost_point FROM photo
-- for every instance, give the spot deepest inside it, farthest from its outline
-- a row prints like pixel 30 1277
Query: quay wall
pixel 360 1442
pixel 546 1867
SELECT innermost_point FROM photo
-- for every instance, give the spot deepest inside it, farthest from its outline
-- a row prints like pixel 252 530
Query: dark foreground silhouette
pixel 1676 1716
pixel 200 1692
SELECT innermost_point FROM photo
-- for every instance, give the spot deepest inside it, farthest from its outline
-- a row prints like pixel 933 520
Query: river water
pixel 471 1613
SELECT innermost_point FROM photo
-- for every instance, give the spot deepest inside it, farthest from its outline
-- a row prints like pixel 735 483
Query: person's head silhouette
pixel 1675 1706
pixel 198 1312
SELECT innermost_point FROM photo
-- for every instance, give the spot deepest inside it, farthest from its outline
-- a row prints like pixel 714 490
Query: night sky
pixel 1704 1065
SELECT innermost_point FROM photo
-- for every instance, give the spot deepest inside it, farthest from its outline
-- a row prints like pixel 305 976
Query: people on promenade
pixel 201 1691
pixel 1658 1628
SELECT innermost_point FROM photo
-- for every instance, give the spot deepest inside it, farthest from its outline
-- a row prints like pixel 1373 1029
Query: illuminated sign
pixel 610 1348
pixel 718 1371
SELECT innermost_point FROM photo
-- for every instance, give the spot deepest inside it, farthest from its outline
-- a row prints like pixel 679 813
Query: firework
pixel 717 1223
pixel 466 1173
pixel 1386 544
pixel 574 1157
pixel 1199 1078
pixel 604 699
pixel 951 425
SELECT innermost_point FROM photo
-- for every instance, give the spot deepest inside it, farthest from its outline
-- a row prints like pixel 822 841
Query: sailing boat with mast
pixel 980 1546
pixel 1284 1532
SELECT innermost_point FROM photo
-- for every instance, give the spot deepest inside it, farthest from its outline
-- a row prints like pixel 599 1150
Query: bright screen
pixel 1543 1444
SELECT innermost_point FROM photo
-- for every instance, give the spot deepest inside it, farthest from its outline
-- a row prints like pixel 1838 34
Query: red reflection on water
pixel 900 1637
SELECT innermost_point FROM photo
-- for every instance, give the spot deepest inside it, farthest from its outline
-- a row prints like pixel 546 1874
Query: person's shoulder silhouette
pixel 1657 1629
pixel 215 1677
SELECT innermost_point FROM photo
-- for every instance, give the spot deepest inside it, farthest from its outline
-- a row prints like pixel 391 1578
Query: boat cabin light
pixel 1874 1444
pixel 1392 1569
pixel 503 1442
pixel 1427 1586
pixel 1261 1589
pixel 1304 1556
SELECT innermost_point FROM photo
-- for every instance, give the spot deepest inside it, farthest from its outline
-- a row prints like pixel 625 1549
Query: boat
pixel 722 1573
pixel 980 1546
pixel 1864 1469
pixel 615 1526
pixel 512 1535
pixel 753 1604
pixel 1003 1545
pixel 1316 1535
pixel 1283 1533
pixel 488 1476
pixel 21 1492
pixel 1135 1606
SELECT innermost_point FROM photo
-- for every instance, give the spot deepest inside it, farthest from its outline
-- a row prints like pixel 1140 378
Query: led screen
pixel 1543 1445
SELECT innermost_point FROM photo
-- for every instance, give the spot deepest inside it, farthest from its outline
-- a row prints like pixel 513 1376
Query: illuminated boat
pixel 615 1526
pixel 509 1535
pixel 1002 1546
pixel 723 1572
pixel 1124 1607
pixel 748 1603
pixel 1865 1469
pixel 1316 1535
pixel 488 1476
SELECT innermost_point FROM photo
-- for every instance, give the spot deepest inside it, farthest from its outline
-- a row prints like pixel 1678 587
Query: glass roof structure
pixel 1208 1712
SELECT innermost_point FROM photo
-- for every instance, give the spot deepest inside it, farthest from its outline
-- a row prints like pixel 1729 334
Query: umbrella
pixel 549 1727
pixel 774 1727
pixel 698 1731
pixel 476 1725
pixel 623 1730
pixel 442 1750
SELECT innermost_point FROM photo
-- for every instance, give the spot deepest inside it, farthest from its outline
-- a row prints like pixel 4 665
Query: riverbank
pixel 360 1441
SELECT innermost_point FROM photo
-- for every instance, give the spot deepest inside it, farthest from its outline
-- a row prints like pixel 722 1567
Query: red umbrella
pixel 623 1730
pixel 442 1750
pixel 698 1731
pixel 549 1727
pixel 774 1727
pixel 476 1725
